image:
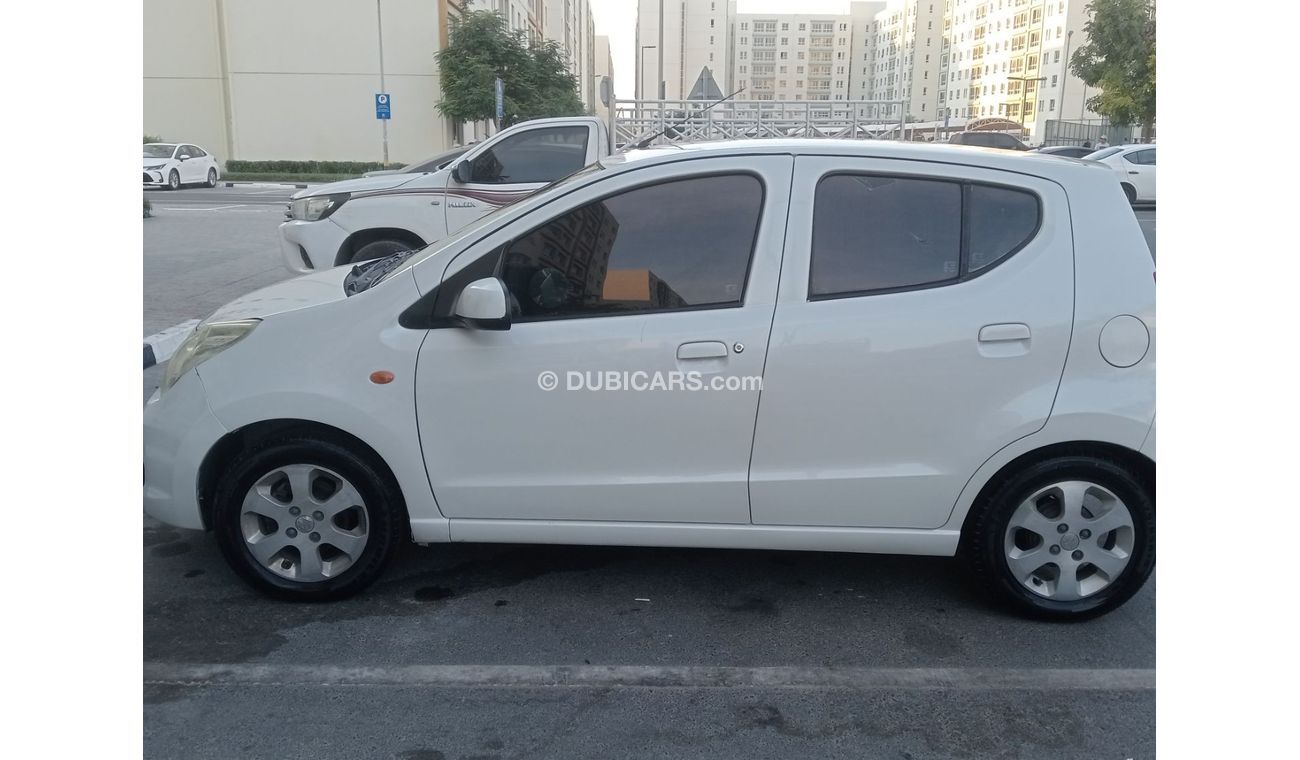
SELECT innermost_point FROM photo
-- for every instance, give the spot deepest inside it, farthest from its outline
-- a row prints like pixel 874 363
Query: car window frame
pixel 434 310
pixel 963 253
pixel 749 263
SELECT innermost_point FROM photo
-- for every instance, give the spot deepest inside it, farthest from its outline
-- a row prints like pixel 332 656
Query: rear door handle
pixel 702 349
pixel 1002 333
pixel 1133 172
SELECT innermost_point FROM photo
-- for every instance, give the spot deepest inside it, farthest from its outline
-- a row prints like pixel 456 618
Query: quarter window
pixel 881 233
pixel 1142 157
pixel 1001 221
pixel 676 245
pixel 539 155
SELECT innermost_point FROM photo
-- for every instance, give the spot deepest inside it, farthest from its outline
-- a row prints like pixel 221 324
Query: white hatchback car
pixel 954 350
pixel 1134 166
pixel 171 165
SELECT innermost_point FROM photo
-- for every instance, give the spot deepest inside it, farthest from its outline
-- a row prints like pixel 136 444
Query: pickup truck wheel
pixel 378 250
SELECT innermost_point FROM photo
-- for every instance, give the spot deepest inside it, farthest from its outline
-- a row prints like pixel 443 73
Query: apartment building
pixel 695 36
pixel 791 57
pixel 296 79
pixel 1010 59
pixel 897 51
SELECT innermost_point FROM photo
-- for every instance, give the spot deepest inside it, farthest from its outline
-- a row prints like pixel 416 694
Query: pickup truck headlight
pixel 316 207
pixel 205 342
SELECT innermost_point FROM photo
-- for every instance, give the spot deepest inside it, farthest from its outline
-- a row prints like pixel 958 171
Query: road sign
pixel 383 105
pixel 501 101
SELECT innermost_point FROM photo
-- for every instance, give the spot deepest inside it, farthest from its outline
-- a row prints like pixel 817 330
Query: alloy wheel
pixel 1069 540
pixel 304 523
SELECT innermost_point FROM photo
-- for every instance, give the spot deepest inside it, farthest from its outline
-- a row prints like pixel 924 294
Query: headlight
pixel 155 166
pixel 315 207
pixel 205 342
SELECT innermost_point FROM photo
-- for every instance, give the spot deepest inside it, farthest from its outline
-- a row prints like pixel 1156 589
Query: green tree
pixel 1120 58
pixel 535 78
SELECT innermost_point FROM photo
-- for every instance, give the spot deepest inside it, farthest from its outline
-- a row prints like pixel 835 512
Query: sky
pixel 617 20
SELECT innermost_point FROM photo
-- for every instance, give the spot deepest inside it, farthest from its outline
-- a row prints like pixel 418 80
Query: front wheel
pixel 307 519
pixel 1069 538
pixel 174 180
pixel 212 178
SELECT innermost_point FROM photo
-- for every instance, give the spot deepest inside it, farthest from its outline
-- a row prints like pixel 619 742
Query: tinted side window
pixel 196 151
pixel 675 245
pixel 1142 157
pixel 1001 221
pixel 877 233
pixel 539 155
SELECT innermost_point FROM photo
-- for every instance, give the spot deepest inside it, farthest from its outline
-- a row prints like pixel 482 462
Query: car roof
pixel 1026 162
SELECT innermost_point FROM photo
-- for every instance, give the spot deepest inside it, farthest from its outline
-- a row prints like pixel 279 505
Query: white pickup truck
pixel 372 217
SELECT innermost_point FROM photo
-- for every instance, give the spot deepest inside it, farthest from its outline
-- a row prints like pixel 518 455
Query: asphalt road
pixel 498 651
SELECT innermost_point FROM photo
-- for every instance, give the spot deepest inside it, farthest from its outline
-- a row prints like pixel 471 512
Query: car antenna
pixel 646 141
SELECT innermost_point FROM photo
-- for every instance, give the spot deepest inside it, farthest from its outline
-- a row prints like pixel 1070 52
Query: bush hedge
pixel 237 166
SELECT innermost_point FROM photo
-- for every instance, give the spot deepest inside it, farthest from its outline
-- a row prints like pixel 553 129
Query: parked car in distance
pixel 1135 166
pixel 426 166
pixel 1064 151
pixel 459 393
pixel 172 165
pixel 373 217
pixel 987 140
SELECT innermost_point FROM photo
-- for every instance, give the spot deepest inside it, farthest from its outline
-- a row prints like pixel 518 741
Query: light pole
pixel 641 79
pixel 1065 72
pixel 1024 90
pixel 660 52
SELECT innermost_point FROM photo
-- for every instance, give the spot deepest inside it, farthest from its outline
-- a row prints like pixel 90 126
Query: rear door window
pixel 882 233
pixel 875 233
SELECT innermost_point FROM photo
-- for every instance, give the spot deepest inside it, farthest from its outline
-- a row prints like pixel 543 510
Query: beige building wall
pixel 604 69
pixel 296 79
pixel 183 79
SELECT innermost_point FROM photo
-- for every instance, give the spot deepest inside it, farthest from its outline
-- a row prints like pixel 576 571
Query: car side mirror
pixel 484 305
pixel 464 172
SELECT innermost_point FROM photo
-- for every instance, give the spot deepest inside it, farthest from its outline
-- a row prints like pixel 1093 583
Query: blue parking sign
pixel 383 105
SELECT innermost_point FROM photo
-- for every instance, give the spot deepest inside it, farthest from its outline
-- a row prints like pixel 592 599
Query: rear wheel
pixel 307 519
pixel 212 177
pixel 1130 193
pixel 378 250
pixel 1068 539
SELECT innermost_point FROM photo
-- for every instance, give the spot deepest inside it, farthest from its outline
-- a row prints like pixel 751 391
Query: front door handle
pixel 1133 172
pixel 702 349
pixel 1002 333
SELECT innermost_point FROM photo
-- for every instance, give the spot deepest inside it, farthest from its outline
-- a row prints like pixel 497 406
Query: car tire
pixel 378 250
pixel 173 180
pixel 1130 192
pixel 212 178
pixel 327 539
pixel 1009 561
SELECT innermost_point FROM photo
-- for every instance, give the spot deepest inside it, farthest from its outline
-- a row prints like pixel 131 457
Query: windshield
pixel 493 218
pixel 1097 155
pixel 158 150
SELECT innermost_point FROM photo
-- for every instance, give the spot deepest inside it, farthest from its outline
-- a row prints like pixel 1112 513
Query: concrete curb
pixel 160 346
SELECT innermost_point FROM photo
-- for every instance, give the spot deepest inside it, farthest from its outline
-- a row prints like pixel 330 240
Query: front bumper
pixel 179 431
pixel 154 177
pixel 310 246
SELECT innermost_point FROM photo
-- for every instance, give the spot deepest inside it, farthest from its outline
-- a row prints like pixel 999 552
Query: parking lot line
pixel 655 676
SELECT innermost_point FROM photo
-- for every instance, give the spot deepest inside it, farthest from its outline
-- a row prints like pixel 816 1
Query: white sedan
pixel 955 351
pixel 1135 166
pixel 171 165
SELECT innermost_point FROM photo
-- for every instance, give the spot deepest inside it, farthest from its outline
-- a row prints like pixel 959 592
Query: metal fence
pixel 682 121
pixel 1060 132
